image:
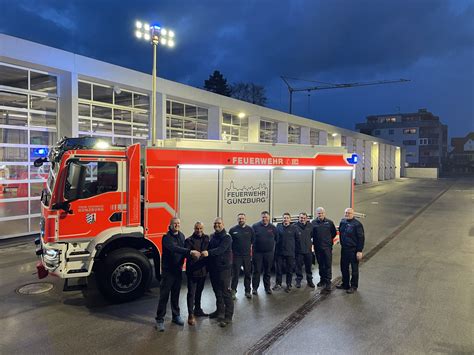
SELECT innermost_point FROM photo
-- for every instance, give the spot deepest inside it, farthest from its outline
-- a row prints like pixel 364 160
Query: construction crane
pixel 327 86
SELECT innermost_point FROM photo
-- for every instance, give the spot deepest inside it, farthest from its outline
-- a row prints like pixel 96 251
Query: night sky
pixel 430 42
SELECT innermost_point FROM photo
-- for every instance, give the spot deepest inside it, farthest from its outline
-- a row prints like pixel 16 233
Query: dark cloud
pixel 428 41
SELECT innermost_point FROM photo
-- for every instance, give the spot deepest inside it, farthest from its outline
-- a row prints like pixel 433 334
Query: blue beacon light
pixel 40 152
pixel 353 159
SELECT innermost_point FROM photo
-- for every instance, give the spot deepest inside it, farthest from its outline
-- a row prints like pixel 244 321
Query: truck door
pixel 93 198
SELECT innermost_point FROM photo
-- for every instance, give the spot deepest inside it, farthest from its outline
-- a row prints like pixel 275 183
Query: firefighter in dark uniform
pixel 220 263
pixel 242 238
pixel 196 273
pixel 352 239
pixel 263 252
pixel 285 252
pixel 304 254
pixel 174 253
pixel 324 231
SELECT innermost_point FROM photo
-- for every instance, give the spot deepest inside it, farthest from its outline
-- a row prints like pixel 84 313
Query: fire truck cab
pixel 106 208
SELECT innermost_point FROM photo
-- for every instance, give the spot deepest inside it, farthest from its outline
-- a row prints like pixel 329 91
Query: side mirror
pixel 39 162
pixel 63 206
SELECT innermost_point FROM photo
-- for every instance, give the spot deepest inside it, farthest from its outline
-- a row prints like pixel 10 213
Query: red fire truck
pixel 106 208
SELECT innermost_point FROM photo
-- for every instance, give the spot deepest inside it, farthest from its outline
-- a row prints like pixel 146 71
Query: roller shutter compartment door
pixel 333 191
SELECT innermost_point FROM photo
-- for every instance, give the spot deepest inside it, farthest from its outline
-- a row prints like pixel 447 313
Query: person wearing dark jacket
pixel 352 239
pixel 220 263
pixel 287 236
pixel 242 238
pixel 324 231
pixel 174 253
pixel 304 254
pixel 263 252
pixel 196 272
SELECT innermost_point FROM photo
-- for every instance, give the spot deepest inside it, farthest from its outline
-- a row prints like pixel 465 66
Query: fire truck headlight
pixel 52 253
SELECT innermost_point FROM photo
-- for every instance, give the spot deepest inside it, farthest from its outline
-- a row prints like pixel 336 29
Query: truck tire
pixel 124 275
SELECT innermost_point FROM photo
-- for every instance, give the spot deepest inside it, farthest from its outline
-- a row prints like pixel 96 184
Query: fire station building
pixel 47 93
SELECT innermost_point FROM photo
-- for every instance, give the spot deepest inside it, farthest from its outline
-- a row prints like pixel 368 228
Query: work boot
pixel 328 287
pixel 254 292
pixel 342 287
pixel 276 287
pixel 287 289
pixel 214 315
pixel 248 295
pixel 298 284
pixel 178 320
pixel 234 294
pixel 269 291
pixel 320 284
pixel 191 320
pixel 351 290
pixel 160 325
pixel 310 284
pixel 225 322
pixel 198 312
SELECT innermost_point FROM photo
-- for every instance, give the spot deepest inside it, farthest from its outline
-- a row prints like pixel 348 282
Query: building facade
pixel 461 157
pixel 46 93
pixel 421 134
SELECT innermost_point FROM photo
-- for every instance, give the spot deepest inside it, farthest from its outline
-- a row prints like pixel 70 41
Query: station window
pixel 268 131
pixel 391 131
pixel 294 134
pixel 28 119
pixel 313 136
pixel 234 128
pixel 186 120
pixel 409 131
pixel 111 112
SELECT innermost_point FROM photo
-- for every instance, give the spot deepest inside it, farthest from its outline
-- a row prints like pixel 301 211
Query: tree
pixel 217 84
pixel 249 92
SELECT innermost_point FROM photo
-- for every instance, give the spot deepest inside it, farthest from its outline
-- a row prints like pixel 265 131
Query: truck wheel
pixel 124 275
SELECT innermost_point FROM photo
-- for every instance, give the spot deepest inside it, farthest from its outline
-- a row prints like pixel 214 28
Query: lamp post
pixel 155 34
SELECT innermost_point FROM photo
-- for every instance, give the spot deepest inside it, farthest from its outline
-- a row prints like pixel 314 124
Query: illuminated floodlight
pixel 102 145
pixel 375 143
pixel 155 35
pixel 334 134
pixel 241 115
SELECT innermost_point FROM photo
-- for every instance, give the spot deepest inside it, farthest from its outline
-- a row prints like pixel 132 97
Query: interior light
pixel 334 134
pixel 375 143
pixel 241 115
pixel 200 166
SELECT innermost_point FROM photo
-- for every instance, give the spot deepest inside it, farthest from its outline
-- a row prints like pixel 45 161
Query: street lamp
pixel 155 34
